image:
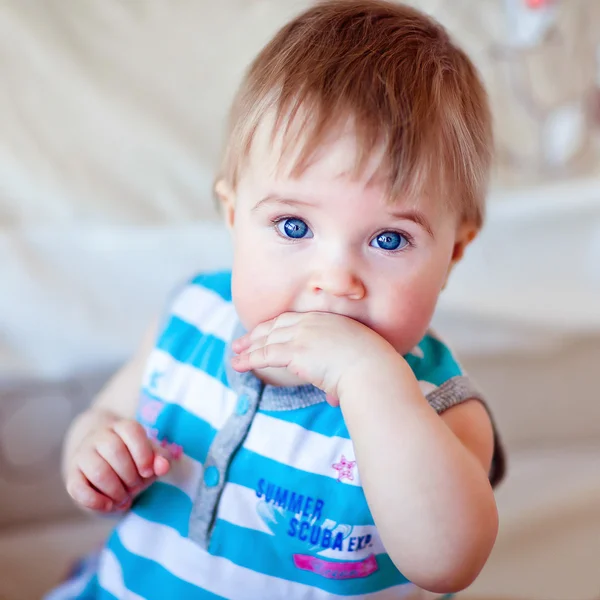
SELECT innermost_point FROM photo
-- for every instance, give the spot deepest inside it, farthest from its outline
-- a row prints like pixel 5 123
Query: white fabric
pixel 196 566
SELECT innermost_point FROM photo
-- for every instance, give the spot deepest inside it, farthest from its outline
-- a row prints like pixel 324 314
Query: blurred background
pixel 111 118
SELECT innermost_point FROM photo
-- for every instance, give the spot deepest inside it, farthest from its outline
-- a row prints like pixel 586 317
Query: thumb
pixel 161 465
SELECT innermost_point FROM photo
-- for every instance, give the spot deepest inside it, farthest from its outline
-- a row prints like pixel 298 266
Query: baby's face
pixel 328 241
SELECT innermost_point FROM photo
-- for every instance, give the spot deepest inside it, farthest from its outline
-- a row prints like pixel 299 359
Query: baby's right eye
pixel 294 228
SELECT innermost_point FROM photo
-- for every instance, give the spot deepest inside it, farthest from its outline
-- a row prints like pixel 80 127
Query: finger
pixel 103 477
pixel 114 451
pixel 271 355
pixel 161 466
pixel 139 446
pixel 265 329
pixel 80 489
pixel 277 336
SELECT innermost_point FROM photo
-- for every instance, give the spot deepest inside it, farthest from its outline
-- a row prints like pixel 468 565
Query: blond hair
pixel 395 72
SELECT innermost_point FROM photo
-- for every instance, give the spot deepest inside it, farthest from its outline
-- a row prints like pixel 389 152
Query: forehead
pixel 335 163
pixel 290 152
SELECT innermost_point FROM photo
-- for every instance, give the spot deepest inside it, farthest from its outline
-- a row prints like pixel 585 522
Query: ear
pixel 465 234
pixel 226 196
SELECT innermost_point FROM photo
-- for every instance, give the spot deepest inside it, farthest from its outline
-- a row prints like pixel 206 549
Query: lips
pixel 340 313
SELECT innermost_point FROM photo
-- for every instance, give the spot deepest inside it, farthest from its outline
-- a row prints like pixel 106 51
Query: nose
pixel 340 282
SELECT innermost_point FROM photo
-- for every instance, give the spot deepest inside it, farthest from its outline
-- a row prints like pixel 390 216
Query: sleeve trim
pixel 452 392
pixel 457 390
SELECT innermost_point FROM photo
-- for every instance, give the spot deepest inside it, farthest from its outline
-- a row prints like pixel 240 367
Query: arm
pixel 435 469
pixel 425 477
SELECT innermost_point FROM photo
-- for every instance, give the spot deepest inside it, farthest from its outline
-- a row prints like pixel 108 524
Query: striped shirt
pixel 265 501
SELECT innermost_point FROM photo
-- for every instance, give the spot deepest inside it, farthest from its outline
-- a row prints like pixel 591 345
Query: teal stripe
pixel 343 503
pixel 188 345
pixel 262 553
pixel 321 418
pixel 152 581
pixel 437 366
pixel 165 504
pixel 177 425
pixel 168 505
pixel 96 592
pixel 218 282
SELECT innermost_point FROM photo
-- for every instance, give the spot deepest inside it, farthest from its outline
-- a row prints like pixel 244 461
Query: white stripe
pixel 239 506
pixel 110 577
pixel 184 474
pixel 194 390
pixel 187 561
pixel 291 444
pixel 206 310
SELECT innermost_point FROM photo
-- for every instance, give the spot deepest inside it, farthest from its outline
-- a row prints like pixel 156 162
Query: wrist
pixel 373 375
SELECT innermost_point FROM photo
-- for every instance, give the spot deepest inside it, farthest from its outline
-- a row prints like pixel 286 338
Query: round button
pixel 211 476
pixel 243 404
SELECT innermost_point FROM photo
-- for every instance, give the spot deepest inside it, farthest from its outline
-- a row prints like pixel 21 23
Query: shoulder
pixel 432 360
pixel 202 302
pixel 217 282
pixel 441 377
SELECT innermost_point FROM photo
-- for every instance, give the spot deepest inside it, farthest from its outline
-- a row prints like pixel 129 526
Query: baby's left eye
pixel 389 240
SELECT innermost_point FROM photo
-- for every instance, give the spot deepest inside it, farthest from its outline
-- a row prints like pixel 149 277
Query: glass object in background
pixel 541 63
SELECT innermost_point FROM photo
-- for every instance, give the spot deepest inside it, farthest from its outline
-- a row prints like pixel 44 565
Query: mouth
pixel 345 314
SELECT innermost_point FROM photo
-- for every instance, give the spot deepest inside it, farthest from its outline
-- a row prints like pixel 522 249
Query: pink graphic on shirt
pixel 345 469
pixel 336 570
pixel 150 411
pixel 174 450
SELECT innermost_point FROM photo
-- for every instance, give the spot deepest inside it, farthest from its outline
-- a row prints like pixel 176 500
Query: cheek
pixel 405 313
pixel 260 288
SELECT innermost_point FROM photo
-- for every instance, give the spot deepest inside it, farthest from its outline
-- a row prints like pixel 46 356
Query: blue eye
pixel 389 240
pixel 294 228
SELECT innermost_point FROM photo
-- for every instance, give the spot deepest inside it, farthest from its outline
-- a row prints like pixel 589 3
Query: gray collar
pixel 271 397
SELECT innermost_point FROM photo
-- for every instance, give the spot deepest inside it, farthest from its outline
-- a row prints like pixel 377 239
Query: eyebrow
pixel 274 199
pixel 415 216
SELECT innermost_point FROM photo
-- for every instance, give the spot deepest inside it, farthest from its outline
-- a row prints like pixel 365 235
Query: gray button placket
pixel 251 393
pixel 226 442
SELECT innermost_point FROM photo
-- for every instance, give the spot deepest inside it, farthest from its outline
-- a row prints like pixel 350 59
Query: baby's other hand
pixel 112 465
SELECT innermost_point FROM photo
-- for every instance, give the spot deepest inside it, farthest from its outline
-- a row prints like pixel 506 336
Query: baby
pixel 300 432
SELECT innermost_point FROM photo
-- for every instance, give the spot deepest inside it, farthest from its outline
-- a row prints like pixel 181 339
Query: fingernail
pixel 123 503
pixel 147 472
